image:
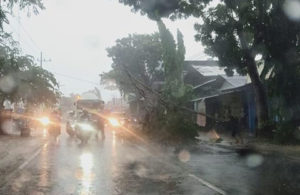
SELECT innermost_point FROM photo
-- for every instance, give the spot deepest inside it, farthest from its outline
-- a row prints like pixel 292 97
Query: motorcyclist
pixel 84 116
pixel 99 122
pixel 80 131
pixel 55 128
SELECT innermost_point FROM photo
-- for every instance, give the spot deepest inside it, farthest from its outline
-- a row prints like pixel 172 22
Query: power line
pixel 30 37
pixel 76 78
pixel 41 59
pixel 24 41
pixel 44 60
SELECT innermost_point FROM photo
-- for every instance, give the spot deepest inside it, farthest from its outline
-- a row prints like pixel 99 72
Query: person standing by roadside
pixel 99 122
pixel 235 127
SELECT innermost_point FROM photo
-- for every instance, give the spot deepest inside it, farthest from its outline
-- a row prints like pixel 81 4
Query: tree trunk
pixel 262 108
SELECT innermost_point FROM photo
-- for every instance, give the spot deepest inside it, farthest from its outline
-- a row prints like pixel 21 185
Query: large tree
pixel 6 7
pixel 236 32
pixel 173 60
pixel 22 79
pixel 142 61
pixel 139 56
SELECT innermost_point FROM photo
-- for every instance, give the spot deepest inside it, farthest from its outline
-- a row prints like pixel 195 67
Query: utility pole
pixel 42 59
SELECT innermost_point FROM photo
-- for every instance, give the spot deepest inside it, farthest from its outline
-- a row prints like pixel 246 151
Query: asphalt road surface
pixel 122 166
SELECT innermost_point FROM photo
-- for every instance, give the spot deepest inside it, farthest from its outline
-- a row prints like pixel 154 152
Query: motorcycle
pixel 84 131
pixel 54 130
pixel 52 126
pixel 24 127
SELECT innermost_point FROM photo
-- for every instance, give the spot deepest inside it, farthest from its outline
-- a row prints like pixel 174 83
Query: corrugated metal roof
pixel 205 83
pixel 209 70
pixel 234 81
pixel 201 63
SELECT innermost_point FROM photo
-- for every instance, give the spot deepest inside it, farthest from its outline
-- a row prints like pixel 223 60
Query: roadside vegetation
pixel 21 79
pixel 255 38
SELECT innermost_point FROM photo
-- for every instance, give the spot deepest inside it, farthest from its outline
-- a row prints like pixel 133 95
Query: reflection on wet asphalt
pixel 117 166
pixel 66 167
pixel 84 169
pixel 247 173
pixel 113 166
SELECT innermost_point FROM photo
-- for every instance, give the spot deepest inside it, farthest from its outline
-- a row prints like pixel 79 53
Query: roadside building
pixel 219 96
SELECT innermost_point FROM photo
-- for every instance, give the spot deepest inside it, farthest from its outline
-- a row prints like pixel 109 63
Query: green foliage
pixel 21 79
pixel 173 60
pixel 37 82
pixel 286 133
pixel 178 123
pixel 141 56
pixel 155 9
pixel 235 32
pixel 149 59
pixel 169 123
pixel 176 127
pixel 6 7
pixel 180 51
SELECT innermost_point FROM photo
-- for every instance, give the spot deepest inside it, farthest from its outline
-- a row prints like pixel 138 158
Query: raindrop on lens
pixel 292 9
pixel 7 126
pixel 141 171
pixel 184 156
pixel 254 160
pixel 7 84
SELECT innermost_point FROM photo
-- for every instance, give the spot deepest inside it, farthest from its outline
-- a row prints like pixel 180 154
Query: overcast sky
pixel 74 34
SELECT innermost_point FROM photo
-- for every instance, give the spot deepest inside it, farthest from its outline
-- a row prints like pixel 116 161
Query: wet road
pixel 114 166
pixel 67 167
pixel 118 166
pixel 245 171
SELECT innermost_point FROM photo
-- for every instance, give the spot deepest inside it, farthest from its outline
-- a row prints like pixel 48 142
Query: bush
pixel 175 126
pixel 181 127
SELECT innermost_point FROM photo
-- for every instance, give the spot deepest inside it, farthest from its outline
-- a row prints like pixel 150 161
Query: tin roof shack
pixel 217 94
pixel 238 102
pixel 199 72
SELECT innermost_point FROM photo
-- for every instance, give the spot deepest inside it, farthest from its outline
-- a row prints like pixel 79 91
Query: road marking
pixel 24 164
pixel 206 183
pixel 211 186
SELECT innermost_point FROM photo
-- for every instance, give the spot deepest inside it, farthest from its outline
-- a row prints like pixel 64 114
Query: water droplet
pixel 254 160
pixel 291 9
pixel 8 126
pixel 184 156
pixel 141 171
pixel 7 84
